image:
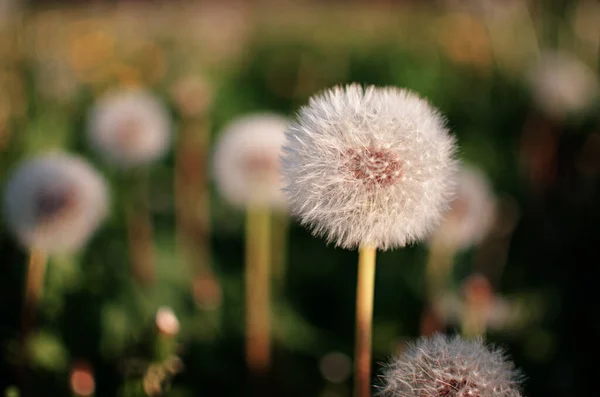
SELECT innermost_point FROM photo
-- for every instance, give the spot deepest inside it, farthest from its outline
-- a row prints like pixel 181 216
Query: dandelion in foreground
pixel 562 84
pixel 369 168
pixel 247 173
pixel 129 128
pixel 53 204
pixel 450 366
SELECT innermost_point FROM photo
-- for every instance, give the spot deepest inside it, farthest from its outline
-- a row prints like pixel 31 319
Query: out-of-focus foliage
pixel 212 63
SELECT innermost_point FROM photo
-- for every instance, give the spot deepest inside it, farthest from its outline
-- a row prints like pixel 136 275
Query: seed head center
pixel 53 203
pixel 374 167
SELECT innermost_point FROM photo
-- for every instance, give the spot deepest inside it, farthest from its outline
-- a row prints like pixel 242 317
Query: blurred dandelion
pixel 246 161
pixel 562 84
pixel 166 321
pixel 130 128
pixel 479 308
pixel 470 219
pixel 450 366
pixel 167 325
pixel 53 204
pixel 369 168
pixel 81 379
pixel 246 166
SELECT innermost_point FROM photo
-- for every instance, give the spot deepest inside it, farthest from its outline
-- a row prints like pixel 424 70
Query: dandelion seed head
pixel 129 128
pixel 246 160
pixel 562 84
pixel 55 202
pixel 472 211
pixel 442 366
pixel 368 166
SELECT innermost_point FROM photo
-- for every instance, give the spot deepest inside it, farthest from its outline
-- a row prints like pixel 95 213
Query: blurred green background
pixel 210 62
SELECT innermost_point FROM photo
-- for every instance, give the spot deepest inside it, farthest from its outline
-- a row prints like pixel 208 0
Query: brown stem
pixel 364 321
pixel 258 258
pixel 193 209
pixel 140 236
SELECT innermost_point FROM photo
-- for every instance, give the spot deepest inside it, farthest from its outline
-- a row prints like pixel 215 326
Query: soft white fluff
pixel 450 366
pixel 562 84
pixel 472 212
pixel 369 166
pixel 246 160
pixel 129 128
pixel 55 202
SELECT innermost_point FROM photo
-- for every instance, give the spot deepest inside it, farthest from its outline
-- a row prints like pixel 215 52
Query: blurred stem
pixel 438 269
pixel 258 258
pixel 139 233
pixel 472 322
pixel 364 321
pixel 193 205
pixel 280 239
pixel 34 284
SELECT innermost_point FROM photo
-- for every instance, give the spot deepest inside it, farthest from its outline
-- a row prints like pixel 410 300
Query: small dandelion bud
pixel 54 203
pixel 369 166
pixel 246 161
pixel 166 321
pixel 562 84
pixel 472 212
pixel 82 379
pixel 129 128
pixel 441 366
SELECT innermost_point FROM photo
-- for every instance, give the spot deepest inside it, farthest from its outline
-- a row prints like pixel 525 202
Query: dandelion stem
pixel 472 322
pixel 258 263
pixel 280 252
pixel 438 269
pixel 139 233
pixel 364 319
pixel 34 284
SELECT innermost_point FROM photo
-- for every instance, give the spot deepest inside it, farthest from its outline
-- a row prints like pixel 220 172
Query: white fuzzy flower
pixel 129 128
pixel 246 160
pixel 55 202
pixel 472 212
pixel 369 166
pixel 166 321
pixel 450 366
pixel 563 84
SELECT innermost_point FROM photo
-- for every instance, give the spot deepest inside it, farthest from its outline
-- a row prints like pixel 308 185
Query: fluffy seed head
pixel 441 366
pixel 55 202
pixel 369 166
pixel 246 160
pixel 562 84
pixel 129 128
pixel 472 211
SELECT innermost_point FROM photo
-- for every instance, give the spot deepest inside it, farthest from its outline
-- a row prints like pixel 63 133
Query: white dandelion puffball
pixel 472 211
pixel 369 166
pixel 562 84
pixel 129 128
pixel 55 202
pixel 451 367
pixel 247 160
